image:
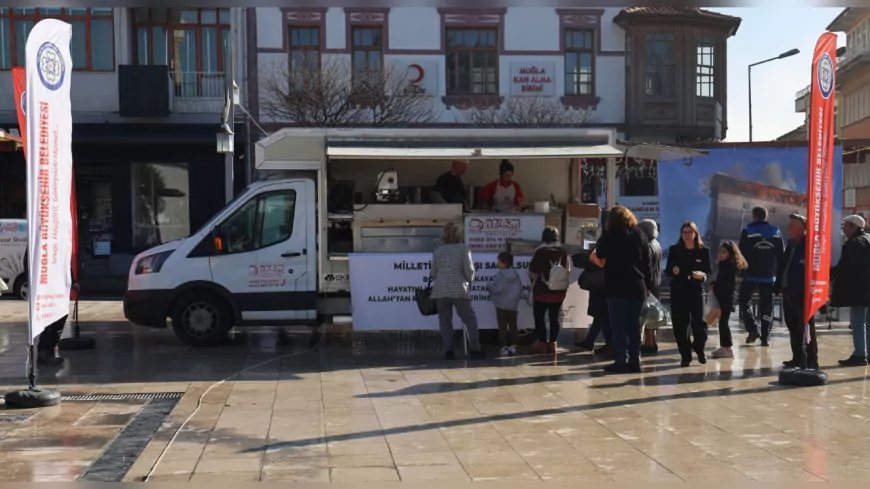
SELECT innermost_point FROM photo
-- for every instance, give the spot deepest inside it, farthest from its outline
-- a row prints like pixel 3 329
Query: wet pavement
pixel 385 407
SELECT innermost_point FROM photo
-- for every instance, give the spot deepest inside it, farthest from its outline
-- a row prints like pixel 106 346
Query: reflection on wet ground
pixel 376 407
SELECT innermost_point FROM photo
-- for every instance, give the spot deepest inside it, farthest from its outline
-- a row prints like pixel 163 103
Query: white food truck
pixel 342 229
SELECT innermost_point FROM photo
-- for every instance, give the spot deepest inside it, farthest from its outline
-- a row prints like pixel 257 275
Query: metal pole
pixel 228 76
pixel 31 367
pixel 749 73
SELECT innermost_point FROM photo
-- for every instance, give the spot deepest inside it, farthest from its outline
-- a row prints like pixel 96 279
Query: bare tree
pixel 528 112
pixel 334 95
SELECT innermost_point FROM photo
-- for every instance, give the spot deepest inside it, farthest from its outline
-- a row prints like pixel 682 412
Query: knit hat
pixel 857 220
pixel 505 167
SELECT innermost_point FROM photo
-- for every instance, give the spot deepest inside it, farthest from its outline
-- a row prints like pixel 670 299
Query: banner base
pixel 32 398
pixel 77 343
pixel 802 377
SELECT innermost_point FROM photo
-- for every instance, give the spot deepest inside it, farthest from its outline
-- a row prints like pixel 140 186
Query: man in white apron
pixel 504 194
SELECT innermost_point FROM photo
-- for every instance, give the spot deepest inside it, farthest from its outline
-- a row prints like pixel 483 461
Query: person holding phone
pixel 688 266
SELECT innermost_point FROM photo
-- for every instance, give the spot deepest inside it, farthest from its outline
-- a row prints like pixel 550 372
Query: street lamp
pixel 790 52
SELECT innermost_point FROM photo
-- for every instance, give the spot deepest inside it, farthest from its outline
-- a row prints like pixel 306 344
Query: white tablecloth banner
pixel 382 293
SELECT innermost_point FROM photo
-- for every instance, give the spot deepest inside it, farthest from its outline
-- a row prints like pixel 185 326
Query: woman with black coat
pixel 688 266
pixel 625 251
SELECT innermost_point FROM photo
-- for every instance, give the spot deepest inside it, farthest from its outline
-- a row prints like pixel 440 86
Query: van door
pixel 267 255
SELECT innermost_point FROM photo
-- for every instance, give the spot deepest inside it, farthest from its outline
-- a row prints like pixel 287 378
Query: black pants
pixel 541 309
pixel 725 339
pixel 687 310
pixel 50 336
pixel 765 307
pixel 793 313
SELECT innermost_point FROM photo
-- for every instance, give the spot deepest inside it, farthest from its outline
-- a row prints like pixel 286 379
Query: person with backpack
pixel 549 273
pixel 688 266
pixel 625 250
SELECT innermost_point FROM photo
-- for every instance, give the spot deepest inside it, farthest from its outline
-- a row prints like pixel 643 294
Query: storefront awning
pixel 539 152
pixel 657 152
pixel 8 142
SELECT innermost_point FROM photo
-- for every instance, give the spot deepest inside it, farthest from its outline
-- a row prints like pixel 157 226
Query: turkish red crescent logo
pixel 420 73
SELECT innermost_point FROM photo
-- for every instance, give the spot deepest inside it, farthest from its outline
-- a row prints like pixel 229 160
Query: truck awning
pixel 468 153
pixel 657 152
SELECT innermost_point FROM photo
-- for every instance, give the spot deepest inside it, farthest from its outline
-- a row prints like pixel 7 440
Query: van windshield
pixel 210 222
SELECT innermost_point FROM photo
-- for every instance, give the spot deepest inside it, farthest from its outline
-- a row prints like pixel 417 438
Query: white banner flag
pixel 49 172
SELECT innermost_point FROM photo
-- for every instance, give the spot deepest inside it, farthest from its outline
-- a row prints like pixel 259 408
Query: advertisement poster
pixel 642 207
pixel 383 295
pixel 49 172
pixel 820 174
pixel 719 190
pixel 490 232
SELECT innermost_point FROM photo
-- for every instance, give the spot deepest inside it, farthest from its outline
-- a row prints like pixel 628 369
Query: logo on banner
pixel 23 103
pixel 50 66
pixel 826 75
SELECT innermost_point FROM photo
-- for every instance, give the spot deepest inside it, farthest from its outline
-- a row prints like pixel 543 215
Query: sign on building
pixel 533 79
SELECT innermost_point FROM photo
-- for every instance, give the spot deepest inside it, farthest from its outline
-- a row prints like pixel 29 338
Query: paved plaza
pixel 386 407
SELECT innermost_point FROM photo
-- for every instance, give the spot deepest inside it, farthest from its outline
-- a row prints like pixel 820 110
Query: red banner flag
pixel 18 84
pixel 18 90
pixel 820 175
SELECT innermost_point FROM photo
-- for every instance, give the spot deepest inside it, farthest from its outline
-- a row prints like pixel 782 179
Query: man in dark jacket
pixel 791 282
pixel 762 245
pixel 851 281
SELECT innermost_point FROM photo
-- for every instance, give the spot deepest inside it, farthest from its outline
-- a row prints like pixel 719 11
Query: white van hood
pixel 170 246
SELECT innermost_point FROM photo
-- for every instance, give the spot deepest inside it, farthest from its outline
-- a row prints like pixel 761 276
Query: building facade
pixel 148 95
pixel 853 71
pixel 652 74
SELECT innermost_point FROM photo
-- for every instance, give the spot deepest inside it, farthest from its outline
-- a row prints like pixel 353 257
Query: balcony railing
pixel 198 85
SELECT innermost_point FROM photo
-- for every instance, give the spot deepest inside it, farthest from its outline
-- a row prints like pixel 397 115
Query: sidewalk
pixel 386 406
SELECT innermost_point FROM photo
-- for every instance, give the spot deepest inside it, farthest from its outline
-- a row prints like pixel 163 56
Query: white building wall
pixel 95 97
pixel 535 29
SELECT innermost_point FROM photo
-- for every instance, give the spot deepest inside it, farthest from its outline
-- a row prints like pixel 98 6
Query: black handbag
pixel 424 300
pixel 592 280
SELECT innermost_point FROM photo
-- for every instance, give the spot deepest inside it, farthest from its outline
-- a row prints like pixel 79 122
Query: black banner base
pixel 77 343
pixel 32 398
pixel 802 377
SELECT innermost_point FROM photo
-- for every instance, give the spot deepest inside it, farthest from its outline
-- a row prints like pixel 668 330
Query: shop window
pixel 161 203
pixel 194 43
pixel 261 222
pixel 92 47
pixel 472 61
pixel 660 66
pixel 579 62
pixel 705 67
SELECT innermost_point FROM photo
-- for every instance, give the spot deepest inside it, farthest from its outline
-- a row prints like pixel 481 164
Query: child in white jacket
pixel 506 291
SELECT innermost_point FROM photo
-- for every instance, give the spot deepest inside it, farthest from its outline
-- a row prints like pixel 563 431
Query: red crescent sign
pixel 420 73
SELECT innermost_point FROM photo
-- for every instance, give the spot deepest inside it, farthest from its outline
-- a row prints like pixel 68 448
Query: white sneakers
pixel 723 352
pixel 509 351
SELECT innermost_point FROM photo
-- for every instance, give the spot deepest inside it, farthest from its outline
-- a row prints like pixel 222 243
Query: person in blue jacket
pixel 763 246
pixel 791 283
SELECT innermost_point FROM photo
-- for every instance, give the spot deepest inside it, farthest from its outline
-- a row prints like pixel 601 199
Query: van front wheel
pixel 201 320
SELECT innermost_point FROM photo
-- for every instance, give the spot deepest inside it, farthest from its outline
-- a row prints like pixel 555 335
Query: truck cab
pixel 253 263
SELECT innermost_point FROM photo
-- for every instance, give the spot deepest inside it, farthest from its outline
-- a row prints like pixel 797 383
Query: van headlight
pixel 152 263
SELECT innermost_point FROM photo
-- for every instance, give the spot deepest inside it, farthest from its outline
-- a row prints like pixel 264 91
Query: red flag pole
pixel 819 180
